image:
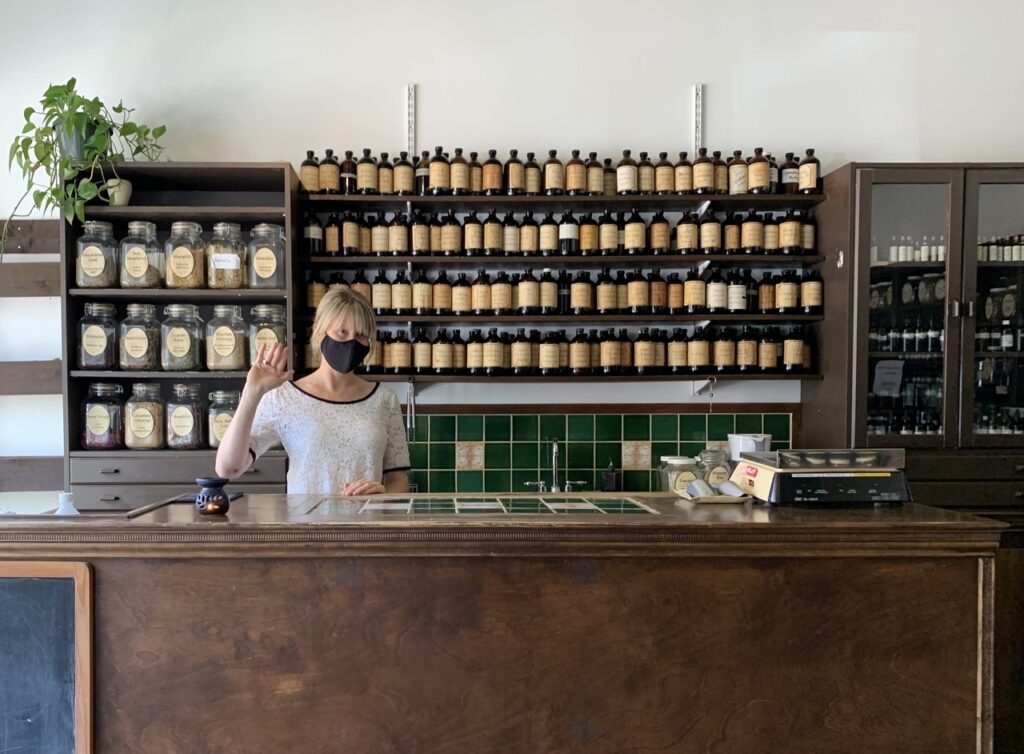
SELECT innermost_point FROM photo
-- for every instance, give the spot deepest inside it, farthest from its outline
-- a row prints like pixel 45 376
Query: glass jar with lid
pixel 715 466
pixel 141 258
pixel 97 337
pixel 140 338
pixel 96 258
pixel 677 472
pixel 225 339
pixel 181 335
pixel 185 252
pixel 185 414
pixel 144 418
pixel 103 417
pixel 266 256
pixel 266 328
pixel 223 404
pixel 225 257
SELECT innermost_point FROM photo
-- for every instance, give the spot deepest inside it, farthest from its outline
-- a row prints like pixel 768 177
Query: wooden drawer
pixel 142 467
pixel 125 497
pixel 966 465
pixel 968 494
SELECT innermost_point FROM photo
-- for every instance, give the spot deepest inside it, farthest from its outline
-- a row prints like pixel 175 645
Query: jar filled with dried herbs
pixel 266 328
pixel 181 335
pixel 225 257
pixel 266 256
pixel 97 337
pixel 144 418
pixel 225 339
pixel 185 251
pixel 142 259
pixel 140 338
pixel 103 417
pixel 96 258
pixel 185 414
pixel 223 404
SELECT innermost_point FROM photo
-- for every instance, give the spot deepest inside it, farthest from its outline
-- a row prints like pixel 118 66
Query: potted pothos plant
pixel 68 151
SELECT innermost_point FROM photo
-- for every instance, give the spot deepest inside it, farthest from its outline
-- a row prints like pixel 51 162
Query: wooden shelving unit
pixel 183 295
pixel 596 319
pixel 588 378
pixel 558 262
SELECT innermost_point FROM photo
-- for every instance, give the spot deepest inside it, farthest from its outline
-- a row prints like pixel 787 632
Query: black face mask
pixel 343 355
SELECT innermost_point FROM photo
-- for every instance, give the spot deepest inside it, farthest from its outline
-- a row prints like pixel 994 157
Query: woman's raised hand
pixel 270 370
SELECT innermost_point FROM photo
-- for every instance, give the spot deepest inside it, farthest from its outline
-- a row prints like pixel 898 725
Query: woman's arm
pixel 268 373
pixel 396 482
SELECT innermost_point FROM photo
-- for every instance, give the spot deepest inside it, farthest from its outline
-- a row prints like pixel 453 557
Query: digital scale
pixel 824 477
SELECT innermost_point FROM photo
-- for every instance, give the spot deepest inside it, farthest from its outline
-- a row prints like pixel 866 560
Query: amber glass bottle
pixel 759 173
pixel 347 174
pixel 529 236
pixel 635 234
pixel 582 294
pixel 501 294
pixel 385 176
pixel 659 235
pixel 309 174
pixel 568 235
pixel 462 295
pixel 522 358
pixel 810 174
pixel 589 236
pixel 752 234
pixel 626 179
pixel 534 179
pixel 515 174
pixel 528 294
pixel 710 234
pixel 790 175
pixel 605 294
pixel 737 173
pixel 703 173
pixel 422 294
pixel 476 175
pixel 442 294
pixel 440 173
pixel 694 293
pixel 698 351
pixel 330 173
pixel 687 234
pixel 405 175
pixel 332 235
pixel 493 235
pixel 554 175
pixel 398 235
pixel 473 236
pixel 683 178
pixel 510 236
pixel 366 174
pixel 717 293
pixel 422 171
pixel 721 173
pixel 608 234
pixel 595 175
pixel 451 235
pixel 401 294
pixel 480 294
pixel 458 171
pixel 548 236
pixel 645 174
pixel 492 174
pixel 731 234
pixel 575 175
pixel 610 179
pixel 664 175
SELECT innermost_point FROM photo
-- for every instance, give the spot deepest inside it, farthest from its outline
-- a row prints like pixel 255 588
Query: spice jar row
pixel 716 291
pixel 146 421
pixel 443 174
pixel 183 260
pixel 651 351
pixel 180 342
pixel 354 234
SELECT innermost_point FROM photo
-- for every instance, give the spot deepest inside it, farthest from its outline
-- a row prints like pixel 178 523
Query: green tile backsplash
pixel 500 452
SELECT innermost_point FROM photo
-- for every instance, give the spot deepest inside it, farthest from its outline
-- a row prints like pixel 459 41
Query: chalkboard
pixel 44 658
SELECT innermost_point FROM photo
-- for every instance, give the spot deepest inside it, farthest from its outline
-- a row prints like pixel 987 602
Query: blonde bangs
pixel 338 305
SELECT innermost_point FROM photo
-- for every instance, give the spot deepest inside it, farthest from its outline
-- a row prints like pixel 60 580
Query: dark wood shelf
pixel 1000 264
pixel 539 262
pixel 723 377
pixel 164 453
pixel 124 374
pixel 595 319
pixel 908 266
pixel 172 213
pixel 186 295
pixel 644 203
pixel 999 354
pixel 905 354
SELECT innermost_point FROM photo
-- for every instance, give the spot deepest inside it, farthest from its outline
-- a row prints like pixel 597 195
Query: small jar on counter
pixel 715 467
pixel 223 404
pixel 142 259
pixel 144 418
pixel 266 256
pixel 181 334
pixel 185 252
pixel 96 260
pixel 267 328
pixel 185 414
pixel 676 472
pixel 97 337
pixel 103 417
pixel 140 339
pixel 225 257
pixel 225 339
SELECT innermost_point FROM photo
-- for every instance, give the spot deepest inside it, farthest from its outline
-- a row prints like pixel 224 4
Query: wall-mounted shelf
pixel 539 262
pixel 598 319
pixel 720 376
pixel 188 295
pixel 193 213
pixel 124 374
pixel 908 265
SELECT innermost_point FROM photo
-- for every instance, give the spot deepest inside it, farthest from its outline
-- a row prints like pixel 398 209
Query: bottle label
pixel 178 341
pixel 684 178
pixel 677 354
pixel 379 238
pixel 181 262
pixel 595 180
pixel 548 294
pixel 522 357
pixel 608 234
pixel 136 261
pixel 786 295
pixel 810 293
pixel 791 175
pixel 808 176
pixel 313 231
pixel 758 175
pixel 581 296
pixel 732 236
pixel 401 354
pixel 422 173
pixel 638 293
pixel 529 239
pixel 664 179
pixel 711 235
pixel 609 182
pixel 746 353
pixel 725 353
pixel 548 237
pixel 141 422
pixel 686 236
pixel 421 354
pixel 697 353
pixel 442 295
pixel 766 296
pixel 366 176
pixel 694 293
pixel 516 176
pixel 579 355
pixel 386 181
pixel 350 235
pixel 659 236
pixel 493 233
pixel 721 178
pixel 97 420
pixel 643 354
pixel 451 238
pixel 459 175
pixel 458 356
pixel 554 176
pixel 362 289
pixel 480 294
pixel 738 179
pixel 223 341
pixel 807 237
pixel 773 174
pixel 549 356
pixel 94 340
pixel 737 297
pixel 439 175
pixel 401 296
pixel 768 355
pixel 528 293
pixel 135 342
pixel 626 353
pixel 645 179
pixel 675 296
pixel 501 296
pixel 405 179
pixel 625 178
pixel 789 233
pixel 309 175
pixel 462 298
pixel 704 176
pixel 606 298
pixel 793 351
pixel 717 295
pixel 533 181
pixel 422 296
pixel 381 296
pixel 659 293
pixel 330 175
pixel 576 177
pixel 589 237
pixel 398 239
pixel 182 422
pixel 264 263
pixel 635 235
pixel 332 238
pixel 568 232
pixel 611 353
pixel 441 356
pixel 752 235
pixel 490 179
pixel 771 237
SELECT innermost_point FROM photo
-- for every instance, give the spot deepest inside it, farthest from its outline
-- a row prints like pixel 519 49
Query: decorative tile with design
pixel 469 456
pixel 636 455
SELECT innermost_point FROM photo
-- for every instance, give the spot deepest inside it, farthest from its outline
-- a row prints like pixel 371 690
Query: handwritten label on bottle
pixel 136 261
pixel 554 176
pixel 94 340
pixel 264 263
pixel 625 178
pixel 97 420
pixel 366 176
pixel 135 342
pixel 141 423
pixel 178 341
pixel 808 176
pixel 182 421
pixel 181 262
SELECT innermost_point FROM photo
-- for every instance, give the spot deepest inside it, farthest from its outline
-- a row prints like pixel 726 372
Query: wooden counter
pixel 298 624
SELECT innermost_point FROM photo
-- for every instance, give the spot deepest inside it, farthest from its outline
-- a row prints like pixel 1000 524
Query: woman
pixel 343 434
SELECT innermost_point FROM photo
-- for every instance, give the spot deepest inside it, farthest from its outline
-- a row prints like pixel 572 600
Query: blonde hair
pixel 339 304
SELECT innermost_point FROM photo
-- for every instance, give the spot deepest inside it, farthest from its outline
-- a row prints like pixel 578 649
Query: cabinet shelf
pixel 722 377
pixel 905 354
pixel 124 374
pixel 539 262
pixel 645 203
pixel 1001 264
pixel 999 354
pixel 186 295
pixel 595 319
pixel 908 266
pixel 172 213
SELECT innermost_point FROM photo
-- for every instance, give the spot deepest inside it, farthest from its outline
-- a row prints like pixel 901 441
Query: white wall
pixel 265 80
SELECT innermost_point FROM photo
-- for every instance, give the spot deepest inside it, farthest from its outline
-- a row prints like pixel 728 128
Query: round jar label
pixel 223 340
pixel 181 262
pixel 93 261
pixel 682 479
pixel 1009 305
pixel 135 342
pixel 141 423
pixel 97 420
pixel 907 293
pixel 718 475
pixel 182 421
pixel 136 261
pixel 940 290
pixel 94 340
pixel 219 425
pixel 265 337
pixel 178 341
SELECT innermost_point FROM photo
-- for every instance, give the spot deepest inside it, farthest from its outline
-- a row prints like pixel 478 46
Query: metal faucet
pixel 555 487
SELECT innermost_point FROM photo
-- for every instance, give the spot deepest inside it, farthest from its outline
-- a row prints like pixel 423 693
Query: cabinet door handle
pixel 955 314
pixel 109 499
pixel 970 309
pixel 251 471
pixel 108 472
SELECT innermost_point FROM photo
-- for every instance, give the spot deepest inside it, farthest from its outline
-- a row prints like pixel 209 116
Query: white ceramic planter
pixel 120 191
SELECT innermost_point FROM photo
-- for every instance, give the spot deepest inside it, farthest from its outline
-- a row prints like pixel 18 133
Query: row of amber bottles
pixel 715 292
pixel 746 350
pixel 353 234
pixel 440 174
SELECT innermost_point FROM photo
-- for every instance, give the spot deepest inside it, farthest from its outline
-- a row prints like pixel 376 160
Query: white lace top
pixel 330 443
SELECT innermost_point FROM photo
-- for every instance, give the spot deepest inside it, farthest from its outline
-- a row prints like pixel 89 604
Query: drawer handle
pixel 109 499
pixel 110 471
pixel 251 471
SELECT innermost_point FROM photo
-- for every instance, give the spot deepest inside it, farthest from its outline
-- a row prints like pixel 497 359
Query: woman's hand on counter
pixel 270 370
pixel 363 487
